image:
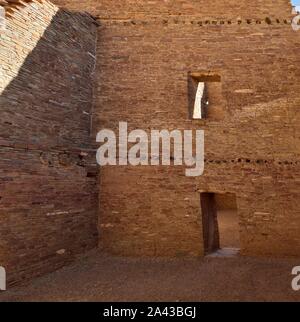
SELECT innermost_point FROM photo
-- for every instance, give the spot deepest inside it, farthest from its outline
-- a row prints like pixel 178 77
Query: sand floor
pixel 100 277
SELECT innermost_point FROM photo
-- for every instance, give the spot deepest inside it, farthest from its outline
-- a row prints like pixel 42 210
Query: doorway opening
pixel 220 224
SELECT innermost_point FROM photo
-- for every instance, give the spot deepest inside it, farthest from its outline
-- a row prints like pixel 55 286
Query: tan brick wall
pixel 171 8
pixel 142 73
pixel 47 203
pixel 145 52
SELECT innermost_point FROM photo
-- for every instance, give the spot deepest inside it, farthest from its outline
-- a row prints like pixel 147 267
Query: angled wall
pixel 48 183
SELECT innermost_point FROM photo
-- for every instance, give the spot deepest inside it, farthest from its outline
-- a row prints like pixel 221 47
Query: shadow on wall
pixel 48 175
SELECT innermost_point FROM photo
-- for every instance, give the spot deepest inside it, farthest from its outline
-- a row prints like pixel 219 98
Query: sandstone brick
pixel 48 204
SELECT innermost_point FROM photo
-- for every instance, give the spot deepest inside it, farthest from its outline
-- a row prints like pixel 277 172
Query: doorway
pixel 220 224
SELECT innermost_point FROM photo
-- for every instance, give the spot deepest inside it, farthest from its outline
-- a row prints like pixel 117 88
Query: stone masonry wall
pixel 48 177
pixel 146 50
pixel 131 9
pixel 252 150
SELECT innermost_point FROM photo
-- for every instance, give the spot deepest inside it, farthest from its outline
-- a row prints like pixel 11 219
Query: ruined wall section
pixel 48 184
pixel 251 148
pixel 146 50
pixel 217 9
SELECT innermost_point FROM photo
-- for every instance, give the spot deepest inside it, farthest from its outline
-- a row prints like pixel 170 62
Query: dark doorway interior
pixel 210 223
pixel 220 223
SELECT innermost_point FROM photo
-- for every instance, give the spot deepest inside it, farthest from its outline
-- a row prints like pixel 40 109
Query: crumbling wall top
pixel 221 9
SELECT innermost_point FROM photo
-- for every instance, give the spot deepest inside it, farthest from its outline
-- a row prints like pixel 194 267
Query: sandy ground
pixel 98 277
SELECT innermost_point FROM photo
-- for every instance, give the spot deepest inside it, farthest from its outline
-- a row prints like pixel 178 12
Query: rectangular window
pixel 205 96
